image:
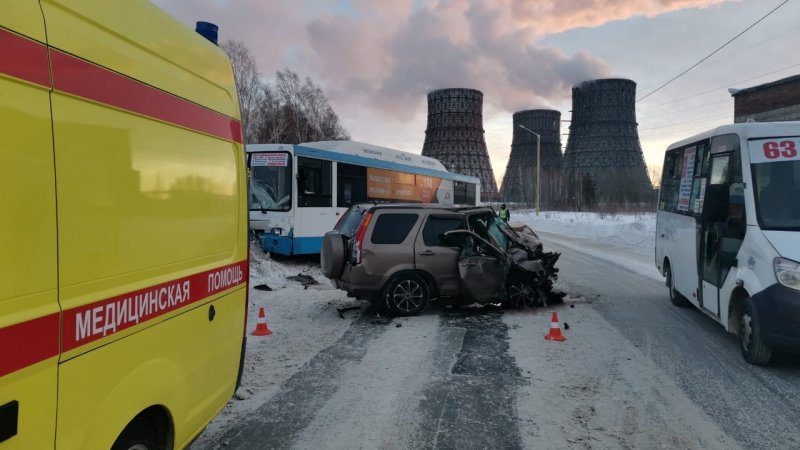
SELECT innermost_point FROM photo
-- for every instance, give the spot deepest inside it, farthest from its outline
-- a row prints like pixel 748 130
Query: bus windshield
pixel 270 182
pixel 777 188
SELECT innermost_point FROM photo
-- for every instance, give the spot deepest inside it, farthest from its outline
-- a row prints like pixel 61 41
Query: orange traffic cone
pixel 261 326
pixel 555 330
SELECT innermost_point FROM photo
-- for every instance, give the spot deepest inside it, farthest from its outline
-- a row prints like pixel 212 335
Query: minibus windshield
pixel 777 192
pixel 271 185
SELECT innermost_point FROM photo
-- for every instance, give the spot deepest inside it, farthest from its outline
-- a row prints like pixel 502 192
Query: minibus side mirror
pixel 716 204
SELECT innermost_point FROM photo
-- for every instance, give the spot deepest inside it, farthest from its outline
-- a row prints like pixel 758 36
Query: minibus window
pixel 719 170
pixel 777 187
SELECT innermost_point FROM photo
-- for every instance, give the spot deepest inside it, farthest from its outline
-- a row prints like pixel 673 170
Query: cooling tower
pixel 603 144
pixel 519 181
pixel 455 136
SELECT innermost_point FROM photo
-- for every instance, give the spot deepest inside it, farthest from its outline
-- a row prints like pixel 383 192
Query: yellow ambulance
pixel 123 239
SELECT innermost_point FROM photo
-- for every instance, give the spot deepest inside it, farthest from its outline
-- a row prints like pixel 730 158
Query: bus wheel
pixel 407 295
pixel 674 296
pixel 142 433
pixel 753 348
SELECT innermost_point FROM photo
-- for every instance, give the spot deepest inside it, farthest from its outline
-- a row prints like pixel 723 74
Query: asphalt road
pixel 759 407
pixel 635 372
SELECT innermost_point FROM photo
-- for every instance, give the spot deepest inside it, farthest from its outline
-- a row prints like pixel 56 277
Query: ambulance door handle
pixel 9 419
pixel 211 313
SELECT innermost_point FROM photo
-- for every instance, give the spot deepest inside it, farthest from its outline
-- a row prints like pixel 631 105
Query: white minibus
pixel 728 232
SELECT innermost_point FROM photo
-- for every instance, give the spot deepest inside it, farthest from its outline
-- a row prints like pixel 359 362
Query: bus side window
pixel 351 184
pixel 314 183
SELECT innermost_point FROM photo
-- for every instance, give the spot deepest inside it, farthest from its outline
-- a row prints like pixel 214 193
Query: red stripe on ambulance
pixel 104 318
pixel 28 343
pixel 23 58
pixel 82 78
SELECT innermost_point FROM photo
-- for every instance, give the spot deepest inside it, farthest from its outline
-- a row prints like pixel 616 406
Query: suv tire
pixel 520 294
pixel 407 295
pixel 332 255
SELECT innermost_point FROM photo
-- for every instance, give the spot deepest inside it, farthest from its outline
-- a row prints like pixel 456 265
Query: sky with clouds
pixel 377 60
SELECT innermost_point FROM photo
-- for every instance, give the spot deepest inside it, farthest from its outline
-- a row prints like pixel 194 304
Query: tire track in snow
pixel 470 401
pixel 277 423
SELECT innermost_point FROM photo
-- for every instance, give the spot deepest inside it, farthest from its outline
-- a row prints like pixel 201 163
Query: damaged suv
pixel 409 254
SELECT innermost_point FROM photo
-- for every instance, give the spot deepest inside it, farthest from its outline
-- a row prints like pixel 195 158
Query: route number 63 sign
pixel 775 150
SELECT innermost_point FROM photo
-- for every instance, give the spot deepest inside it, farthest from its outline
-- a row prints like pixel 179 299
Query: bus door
pixel 315 213
pixel 721 234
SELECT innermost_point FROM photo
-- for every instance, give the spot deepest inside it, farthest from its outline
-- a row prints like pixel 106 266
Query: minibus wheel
pixel 674 296
pixel 753 348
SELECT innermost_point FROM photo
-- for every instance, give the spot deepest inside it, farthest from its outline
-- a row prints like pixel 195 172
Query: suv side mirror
pixel 716 204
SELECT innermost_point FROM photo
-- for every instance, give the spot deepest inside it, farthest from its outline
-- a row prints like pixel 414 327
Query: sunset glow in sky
pixel 377 60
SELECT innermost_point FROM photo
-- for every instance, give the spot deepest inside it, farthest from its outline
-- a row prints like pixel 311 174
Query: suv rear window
pixel 393 228
pixel 348 225
pixel 438 225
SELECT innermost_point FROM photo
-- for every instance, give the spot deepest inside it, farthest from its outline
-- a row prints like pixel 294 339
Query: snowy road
pixel 757 407
pixel 635 372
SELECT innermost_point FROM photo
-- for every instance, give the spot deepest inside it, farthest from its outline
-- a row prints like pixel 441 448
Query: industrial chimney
pixel 455 136
pixel 519 181
pixel 603 159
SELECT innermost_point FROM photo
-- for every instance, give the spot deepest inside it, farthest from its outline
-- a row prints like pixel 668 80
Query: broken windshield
pixel 270 182
pixel 487 225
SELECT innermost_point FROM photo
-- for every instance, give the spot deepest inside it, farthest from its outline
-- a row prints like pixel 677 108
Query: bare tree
pixel 248 84
pixel 292 111
pixel 655 174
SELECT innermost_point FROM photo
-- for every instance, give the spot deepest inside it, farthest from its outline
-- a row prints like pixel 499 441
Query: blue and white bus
pixel 299 192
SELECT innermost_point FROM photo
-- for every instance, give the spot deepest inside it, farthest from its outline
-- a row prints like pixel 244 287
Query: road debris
pixel 341 311
pixel 305 280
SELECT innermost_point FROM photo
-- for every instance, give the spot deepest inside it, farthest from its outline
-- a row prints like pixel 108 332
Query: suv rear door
pixel 435 256
pixel 390 241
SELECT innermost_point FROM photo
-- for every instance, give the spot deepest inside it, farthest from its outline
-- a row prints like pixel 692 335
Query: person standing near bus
pixel 504 213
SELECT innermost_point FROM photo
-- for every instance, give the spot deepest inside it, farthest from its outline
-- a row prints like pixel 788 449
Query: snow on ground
pixel 635 232
pixel 593 390
pixel 627 240
pixel 303 322
pixel 597 390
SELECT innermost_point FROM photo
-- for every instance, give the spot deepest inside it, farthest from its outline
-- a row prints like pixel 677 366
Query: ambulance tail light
pixel 359 241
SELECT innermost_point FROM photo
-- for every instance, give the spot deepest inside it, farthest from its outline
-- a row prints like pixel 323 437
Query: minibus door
pixel 712 223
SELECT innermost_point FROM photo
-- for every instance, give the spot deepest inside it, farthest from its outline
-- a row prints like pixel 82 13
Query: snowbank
pixel 635 232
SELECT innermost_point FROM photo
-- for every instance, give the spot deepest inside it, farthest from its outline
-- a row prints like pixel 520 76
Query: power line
pixel 698 94
pixel 738 52
pixel 696 120
pixel 712 53
pixel 705 105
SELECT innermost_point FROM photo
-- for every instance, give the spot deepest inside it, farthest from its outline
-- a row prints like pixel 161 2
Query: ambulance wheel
pixel 142 433
pixel 754 350
pixel 674 296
